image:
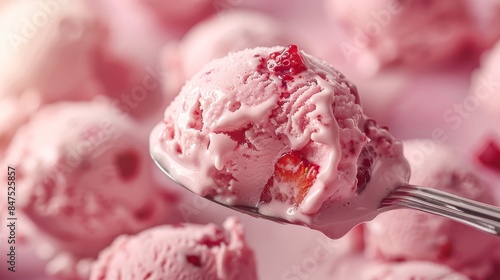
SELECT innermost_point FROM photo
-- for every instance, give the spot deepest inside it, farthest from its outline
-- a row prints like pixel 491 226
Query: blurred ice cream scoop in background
pixel 185 251
pixel 46 53
pixel 214 38
pixel 411 235
pixel 84 177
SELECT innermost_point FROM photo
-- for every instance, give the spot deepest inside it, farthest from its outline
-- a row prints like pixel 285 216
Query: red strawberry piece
pixel 194 260
pixel 292 178
pixel 490 155
pixel 286 63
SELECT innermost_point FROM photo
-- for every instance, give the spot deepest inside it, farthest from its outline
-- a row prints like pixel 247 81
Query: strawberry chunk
pixel 194 260
pixel 287 62
pixel 292 178
pixel 490 155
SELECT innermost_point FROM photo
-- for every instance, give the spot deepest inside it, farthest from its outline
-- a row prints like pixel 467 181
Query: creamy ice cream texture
pixel 280 130
pixel 185 251
pixel 137 46
pixel 84 177
pixel 412 235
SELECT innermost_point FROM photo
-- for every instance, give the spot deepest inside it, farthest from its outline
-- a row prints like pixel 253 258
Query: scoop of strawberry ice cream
pixel 84 176
pixel 213 38
pixel 280 130
pixel 412 235
pixel 185 251
pixel 415 33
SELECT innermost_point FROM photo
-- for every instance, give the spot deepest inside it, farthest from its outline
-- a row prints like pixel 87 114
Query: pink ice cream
pixel 412 235
pixel 213 38
pixel 46 57
pixel 84 177
pixel 280 130
pixel 416 33
pixel 186 251
pixel 485 88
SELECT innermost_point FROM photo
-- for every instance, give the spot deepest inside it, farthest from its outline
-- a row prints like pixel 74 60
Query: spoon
pixel 481 216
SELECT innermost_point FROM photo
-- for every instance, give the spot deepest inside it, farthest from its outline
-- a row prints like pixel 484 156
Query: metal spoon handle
pixel 476 214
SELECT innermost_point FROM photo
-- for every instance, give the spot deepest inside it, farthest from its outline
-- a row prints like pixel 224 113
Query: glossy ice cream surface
pixel 282 131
